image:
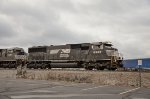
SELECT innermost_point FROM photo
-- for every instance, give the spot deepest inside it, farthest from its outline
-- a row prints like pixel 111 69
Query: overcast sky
pixel 126 23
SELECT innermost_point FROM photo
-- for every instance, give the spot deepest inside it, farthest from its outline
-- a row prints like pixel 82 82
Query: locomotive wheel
pixel 48 66
pixel 113 69
pixel 89 68
pixel 100 68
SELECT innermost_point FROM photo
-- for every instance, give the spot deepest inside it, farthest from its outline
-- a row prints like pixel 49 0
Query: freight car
pixel 8 57
pixel 98 55
pixel 133 63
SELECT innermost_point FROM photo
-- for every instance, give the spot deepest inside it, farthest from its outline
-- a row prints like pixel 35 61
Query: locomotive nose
pixel 116 54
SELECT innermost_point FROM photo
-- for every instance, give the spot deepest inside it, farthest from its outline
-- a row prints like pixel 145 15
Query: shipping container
pixel 133 63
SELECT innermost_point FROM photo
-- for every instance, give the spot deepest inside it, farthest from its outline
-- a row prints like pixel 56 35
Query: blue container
pixel 146 63
pixel 133 63
pixel 130 63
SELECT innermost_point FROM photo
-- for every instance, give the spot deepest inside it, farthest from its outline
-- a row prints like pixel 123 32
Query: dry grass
pixel 103 78
pixel 8 73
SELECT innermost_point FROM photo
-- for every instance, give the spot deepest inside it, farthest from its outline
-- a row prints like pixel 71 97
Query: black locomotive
pixel 8 57
pixel 98 55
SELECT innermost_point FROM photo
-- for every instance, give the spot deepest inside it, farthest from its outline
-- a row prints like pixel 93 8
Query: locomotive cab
pixel 114 55
pixel 104 56
pixel 19 51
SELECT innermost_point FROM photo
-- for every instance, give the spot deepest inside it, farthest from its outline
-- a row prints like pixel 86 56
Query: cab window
pixel 97 47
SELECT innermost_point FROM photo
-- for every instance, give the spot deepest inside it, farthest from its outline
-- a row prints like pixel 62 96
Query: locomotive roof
pixel 11 48
pixel 101 43
pixel 38 46
pixel 77 43
pixel 16 48
pixel 82 44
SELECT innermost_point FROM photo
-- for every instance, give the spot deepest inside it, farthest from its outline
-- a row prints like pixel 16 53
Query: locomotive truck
pixel 97 55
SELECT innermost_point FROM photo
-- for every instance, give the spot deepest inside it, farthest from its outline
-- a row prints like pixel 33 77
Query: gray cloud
pixel 126 23
pixel 5 30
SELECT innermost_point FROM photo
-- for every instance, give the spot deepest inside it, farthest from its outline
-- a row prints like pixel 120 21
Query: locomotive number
pixel 96 52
